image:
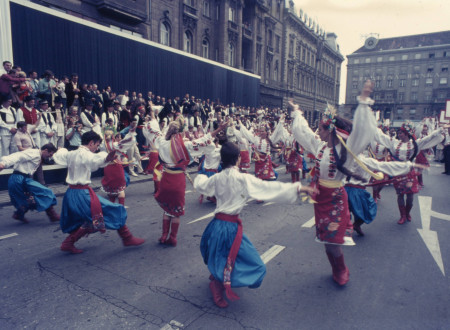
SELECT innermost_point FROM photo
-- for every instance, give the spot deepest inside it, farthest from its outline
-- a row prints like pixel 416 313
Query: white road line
pixel 172 325
pixel 310 223
pixel 9 235
pixel 187 191
pixel 271 253
pixel 209 215
pixel 270 203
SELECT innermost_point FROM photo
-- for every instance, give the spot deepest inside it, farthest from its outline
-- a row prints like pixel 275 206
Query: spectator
pixel 74 129
pixel 8 124
pixel 72 89
pixel 34 83
pixel 29 114
pixel 109 113
pixel 47 128
pixel 7 66
pixel 7 80
pixel 22 138
pixel 45 87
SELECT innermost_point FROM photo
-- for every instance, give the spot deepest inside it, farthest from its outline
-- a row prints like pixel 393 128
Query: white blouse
pixel 212 157
pixel 26 161
pixel 233 190
pixel 260 144
pixel 196 148
pixel 80 164
pixel 379 151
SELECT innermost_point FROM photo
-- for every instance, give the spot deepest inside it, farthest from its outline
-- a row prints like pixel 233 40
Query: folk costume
pixel 332 214
pixel 25 193
pixel 244 147
pixel 30 116
pixel 83 212
pixel 115 179
pixel 175 155
pixel 263 161
pixel 230 256
pixel 8 122
pixel 210 165
pixel 381 154
pixel 404 151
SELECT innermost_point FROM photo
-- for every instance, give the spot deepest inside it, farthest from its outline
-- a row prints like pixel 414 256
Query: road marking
pixel 172 325
pixel 271 253
pixel 310 223
pixel 430 237
pixel 187 191
pixel 209 215
pixel 270 203
pixel 9 235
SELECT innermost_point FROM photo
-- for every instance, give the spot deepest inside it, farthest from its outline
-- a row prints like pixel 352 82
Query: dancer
pixel 115 179
pixel 332 215
pixel 25 193
pixel 406 147
pixel 380 153
pixel 175 155
pixel 83 212
pixel 230 256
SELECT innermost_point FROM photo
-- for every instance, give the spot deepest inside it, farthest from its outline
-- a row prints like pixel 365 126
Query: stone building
pixel 293 56
pixel 410 75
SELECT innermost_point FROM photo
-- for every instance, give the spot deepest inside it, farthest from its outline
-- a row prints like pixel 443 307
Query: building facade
pixel 293 56
pixel 411 75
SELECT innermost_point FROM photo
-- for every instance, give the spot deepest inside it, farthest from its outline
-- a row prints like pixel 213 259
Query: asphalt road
pixel 397 281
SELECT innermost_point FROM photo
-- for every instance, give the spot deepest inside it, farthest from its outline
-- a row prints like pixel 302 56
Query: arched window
pixel 164 35
pixel 187 47
pixel 231 54
pixel 257 66
pixel 205 48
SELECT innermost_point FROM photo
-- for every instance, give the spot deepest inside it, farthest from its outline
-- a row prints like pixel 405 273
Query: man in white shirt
pixel 8 122
pixel 47 127
pixel 25 193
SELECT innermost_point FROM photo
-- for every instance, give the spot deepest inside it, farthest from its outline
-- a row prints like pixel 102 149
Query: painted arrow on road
pixel 430 237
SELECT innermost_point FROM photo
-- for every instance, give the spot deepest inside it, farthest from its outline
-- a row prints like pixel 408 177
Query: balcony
pixel 247 33
pixel 126 10
pixel 191 11
pixel 270 50
pixel 232 26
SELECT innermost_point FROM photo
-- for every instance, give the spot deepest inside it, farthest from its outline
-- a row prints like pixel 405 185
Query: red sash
pixel 98 222
pixel 179 153
pixel 232 254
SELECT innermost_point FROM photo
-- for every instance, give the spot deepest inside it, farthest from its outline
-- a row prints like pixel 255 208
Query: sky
pixel 354 20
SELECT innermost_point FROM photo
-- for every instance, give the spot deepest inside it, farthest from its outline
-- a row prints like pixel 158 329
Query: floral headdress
pixel 384 125
pixel 328 118
pixel 407 127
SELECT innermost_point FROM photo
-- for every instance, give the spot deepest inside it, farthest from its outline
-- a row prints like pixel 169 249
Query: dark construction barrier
pixel 43 41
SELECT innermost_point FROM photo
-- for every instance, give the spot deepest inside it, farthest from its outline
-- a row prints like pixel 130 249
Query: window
pixel 380 59
pixel 257 66
pixel 389 83
pixel 402 83
pixel 231 14
pixel 431 55
pixel 189 2
pixel 412 111
pixel 442 95
pixel 377 83
pixel 355 72
pixel 164 35
pixel 291 47
pixel 428 97
pixel 230 54
pixel 217 11
pixel 205 48
pixel 401 96
pixel 303 54
pixel 275 73
pixel 444 69
pixel 416 68
pixel 415 82
pixel 206 8
pixel 417 56
pixel 391 58
pixel 404 57
pixel 277 43
pixel 389 96
pixel 443 81
pixel 368 60
pixel 399 111
pixel 429 81
pixel 427 111
pixel 413 96
pixel 355 85
pixel 187 42
pixel 356 61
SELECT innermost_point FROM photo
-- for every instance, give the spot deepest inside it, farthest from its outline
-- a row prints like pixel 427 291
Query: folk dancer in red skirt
pixel 423 129
pixel 229 255
pixel 262 143
pixel 405 148
pixel 293 150
pixel 83 212
pixel 332 215
pixel 175 154
pixel 115 179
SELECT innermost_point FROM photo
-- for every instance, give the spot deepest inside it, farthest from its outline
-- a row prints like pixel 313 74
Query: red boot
pixel 121 201
pixel 173 234
pixel 165 231
pixel 407 210
pixel 20 217
pixel 127 238
pixel 402 219
pixel 217 292
pixel 341 274
pixel 357 227
pixel 52 215
pixel 68 243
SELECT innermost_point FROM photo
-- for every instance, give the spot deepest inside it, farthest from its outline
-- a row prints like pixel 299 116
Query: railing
pixel 189 10
pixel 232 25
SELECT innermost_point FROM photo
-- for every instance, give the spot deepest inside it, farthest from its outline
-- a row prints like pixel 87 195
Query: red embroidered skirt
pixel 152 160
pixel 113 181
pixel 245 160
pixel 264 169
pixel 171 191
pixel 332 215
pixel 407 184
pixel 294 162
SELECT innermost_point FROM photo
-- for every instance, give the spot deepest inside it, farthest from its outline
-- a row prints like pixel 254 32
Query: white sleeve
pixel 249 136
pixel 390 168
pixel 204 185
pixel 271 191
pixel 303 134
pixel 60 157
pixel 431 140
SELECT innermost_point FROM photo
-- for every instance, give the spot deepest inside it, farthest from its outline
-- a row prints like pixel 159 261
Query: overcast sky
pixel 354 20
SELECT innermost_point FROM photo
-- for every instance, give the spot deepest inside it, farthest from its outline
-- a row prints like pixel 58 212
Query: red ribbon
pixel 98 222
pixel 231 295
